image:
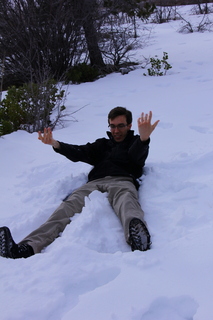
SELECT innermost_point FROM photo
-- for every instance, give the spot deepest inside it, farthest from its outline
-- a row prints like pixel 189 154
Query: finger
pixel 50 132
pixel 140 119
pixel 142 116
pixel 39 135
pixel 155 124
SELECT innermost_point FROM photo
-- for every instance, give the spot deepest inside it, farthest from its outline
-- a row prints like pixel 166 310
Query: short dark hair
pixel 120 111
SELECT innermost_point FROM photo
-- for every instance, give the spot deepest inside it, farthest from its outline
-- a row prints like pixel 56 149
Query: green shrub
pixel 12 113
pixel 30 107
pixel 158 65
pixel 82 73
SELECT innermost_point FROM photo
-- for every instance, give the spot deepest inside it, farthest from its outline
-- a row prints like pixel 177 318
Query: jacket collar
pixel 129 135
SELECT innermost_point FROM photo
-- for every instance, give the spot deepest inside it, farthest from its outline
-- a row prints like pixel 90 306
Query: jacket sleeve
pixel 86 153
pixel 139 150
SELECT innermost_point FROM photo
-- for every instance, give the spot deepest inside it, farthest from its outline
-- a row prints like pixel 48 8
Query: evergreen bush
pixel 82 73
pixel 30 107
pixel 158 65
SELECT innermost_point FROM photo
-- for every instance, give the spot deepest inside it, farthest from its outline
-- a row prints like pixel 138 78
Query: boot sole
pixel 6 242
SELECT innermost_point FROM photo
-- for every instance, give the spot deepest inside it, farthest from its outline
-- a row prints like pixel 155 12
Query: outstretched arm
pixel 47 138
pixel 145 127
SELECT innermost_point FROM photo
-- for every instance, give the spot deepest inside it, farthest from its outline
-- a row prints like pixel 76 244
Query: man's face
pixel 119 128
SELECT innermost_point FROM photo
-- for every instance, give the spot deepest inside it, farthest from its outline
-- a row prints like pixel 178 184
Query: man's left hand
pixel 145 127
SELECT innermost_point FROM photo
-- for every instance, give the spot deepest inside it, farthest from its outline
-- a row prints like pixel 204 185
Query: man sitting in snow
pixel 117 164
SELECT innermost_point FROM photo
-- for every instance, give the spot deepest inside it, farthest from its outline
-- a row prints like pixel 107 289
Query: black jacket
pixel 110 158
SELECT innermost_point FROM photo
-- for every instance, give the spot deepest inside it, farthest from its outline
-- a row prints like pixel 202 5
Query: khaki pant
pixel 122 196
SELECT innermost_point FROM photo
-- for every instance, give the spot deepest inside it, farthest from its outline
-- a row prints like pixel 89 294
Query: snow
pixel 90 272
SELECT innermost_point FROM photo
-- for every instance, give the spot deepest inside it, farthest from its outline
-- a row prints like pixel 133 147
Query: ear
pixel 129 126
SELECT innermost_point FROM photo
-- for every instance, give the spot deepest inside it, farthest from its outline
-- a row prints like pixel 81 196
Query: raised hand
pixel 47 138
pixel 145 127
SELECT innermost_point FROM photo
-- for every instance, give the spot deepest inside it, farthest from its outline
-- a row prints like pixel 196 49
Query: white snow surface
pixel 89 272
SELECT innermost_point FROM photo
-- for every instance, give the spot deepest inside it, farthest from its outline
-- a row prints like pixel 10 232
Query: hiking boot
pixel 9 249
pixel 139 236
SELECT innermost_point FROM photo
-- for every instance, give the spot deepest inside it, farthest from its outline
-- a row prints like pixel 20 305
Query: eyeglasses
pixel 119 126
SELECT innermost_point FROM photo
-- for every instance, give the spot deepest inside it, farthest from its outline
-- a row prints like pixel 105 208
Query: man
pixel 117 164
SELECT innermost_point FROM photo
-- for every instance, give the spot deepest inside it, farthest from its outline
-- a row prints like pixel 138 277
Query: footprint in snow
pixel 201 129
pixel 177 308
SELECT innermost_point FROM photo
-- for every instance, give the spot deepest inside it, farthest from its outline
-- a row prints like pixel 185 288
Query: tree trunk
pixel 92 43
pixel 84 12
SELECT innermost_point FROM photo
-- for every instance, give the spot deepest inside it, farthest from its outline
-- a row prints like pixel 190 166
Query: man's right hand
pixel 47 138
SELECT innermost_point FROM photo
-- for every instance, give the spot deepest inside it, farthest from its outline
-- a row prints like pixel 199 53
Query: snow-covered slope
pixel 90 272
